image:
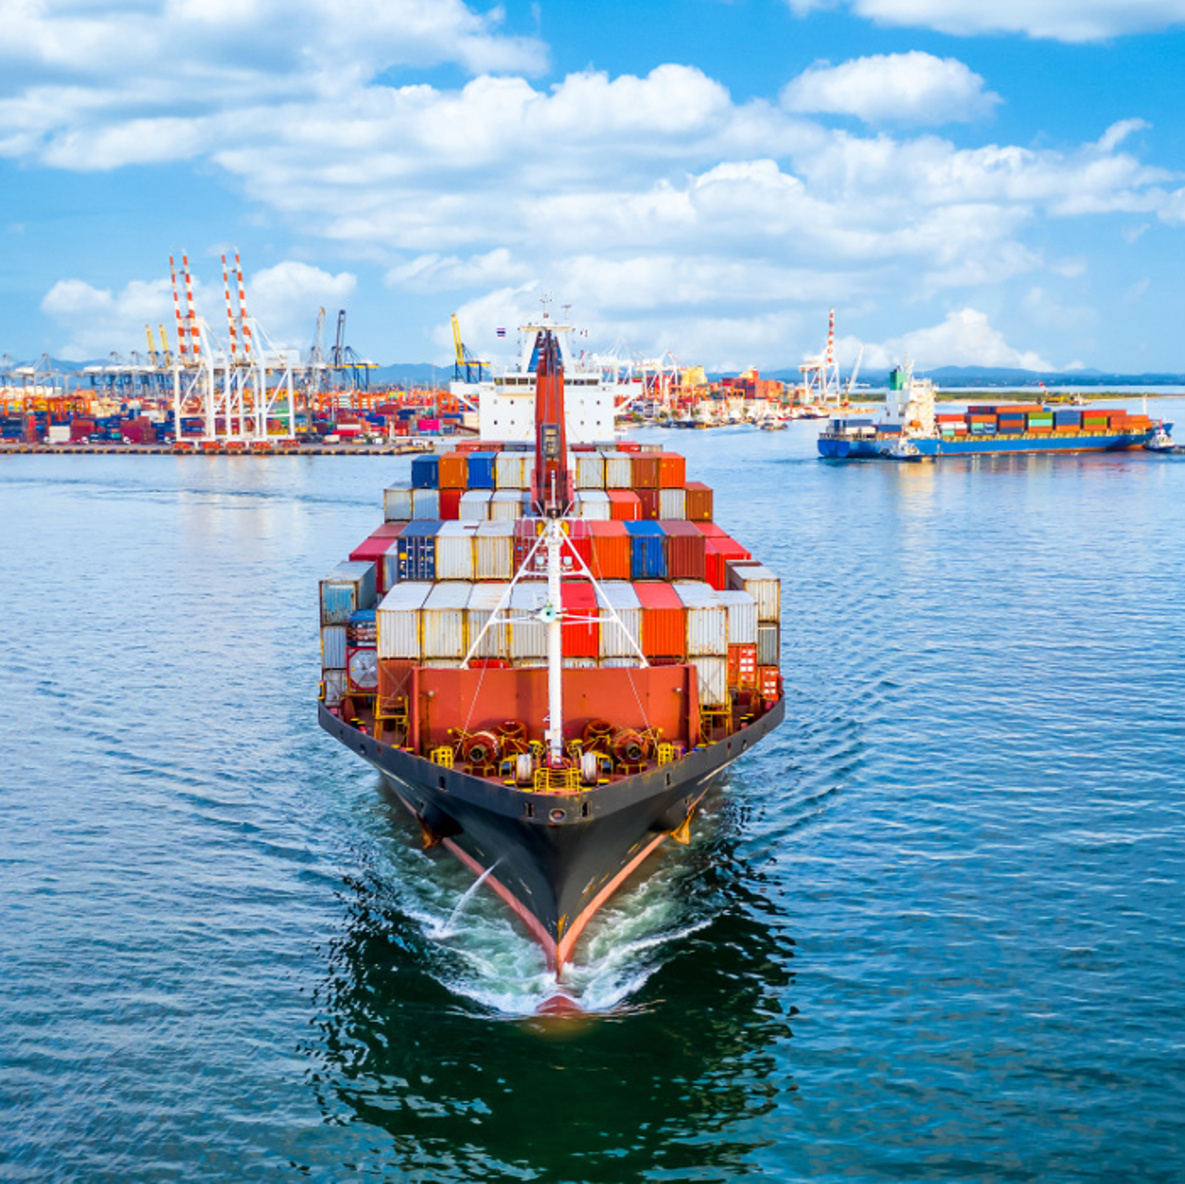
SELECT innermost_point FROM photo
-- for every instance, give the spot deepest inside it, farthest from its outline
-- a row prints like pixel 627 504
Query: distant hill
pixel 425 374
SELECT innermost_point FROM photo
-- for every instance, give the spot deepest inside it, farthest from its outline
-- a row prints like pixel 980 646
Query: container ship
pixel 548 649
pixel 911 429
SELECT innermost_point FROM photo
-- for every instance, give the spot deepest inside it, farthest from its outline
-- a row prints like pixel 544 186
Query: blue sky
pixel 975 184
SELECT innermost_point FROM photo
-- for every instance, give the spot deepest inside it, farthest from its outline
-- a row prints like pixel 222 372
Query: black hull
pixel 554 858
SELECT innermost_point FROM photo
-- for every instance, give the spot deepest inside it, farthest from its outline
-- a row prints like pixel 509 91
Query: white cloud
pixel 965 338
pixel 650 201
pixel 1058 20
pixel 99 320
pixel 907 88
pixel 285 298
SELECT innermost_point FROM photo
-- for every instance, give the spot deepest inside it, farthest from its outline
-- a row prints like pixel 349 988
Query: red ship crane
pixel 551 485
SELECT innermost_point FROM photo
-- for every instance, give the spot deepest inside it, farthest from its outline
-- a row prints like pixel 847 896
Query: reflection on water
pixel 408 1038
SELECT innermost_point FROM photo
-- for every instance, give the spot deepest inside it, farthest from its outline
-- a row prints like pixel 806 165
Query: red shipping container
pixel 742 666
pixel 684 547
pixel 649 503
pixel 610 550
pixel 767 682
pixel 699 502
pixel 718 553
pixel 388 531
pixel 710 529
pixel 646 470
pixel 581 542
pixel 672 470
pixel 664 621
pixel 628 446
pixel 453 470
pixel 624 505
pixel 450 504
pixel 580 638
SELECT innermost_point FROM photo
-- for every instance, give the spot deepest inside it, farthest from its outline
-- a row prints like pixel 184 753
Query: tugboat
pixel 549 651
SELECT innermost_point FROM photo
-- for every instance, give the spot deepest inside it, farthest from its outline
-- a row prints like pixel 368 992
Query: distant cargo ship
pixel 911 429
pixel 549 649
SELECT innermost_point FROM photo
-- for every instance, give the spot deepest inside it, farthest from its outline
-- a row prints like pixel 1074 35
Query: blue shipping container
pixel 481 470
pixel 647 551
pixel 425 472
pixel 415 549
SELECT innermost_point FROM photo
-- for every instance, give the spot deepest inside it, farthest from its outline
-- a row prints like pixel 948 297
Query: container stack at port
pixel 670 584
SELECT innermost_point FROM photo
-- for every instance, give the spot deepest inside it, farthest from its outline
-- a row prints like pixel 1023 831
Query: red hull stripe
pixel 564 951
pixel 528 918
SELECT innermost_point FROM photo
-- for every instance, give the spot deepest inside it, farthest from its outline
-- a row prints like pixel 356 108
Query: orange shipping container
pixel 664 621
pixel 646 470
pixel 624 505
pixel 610 547
pixel 672 470
pixel 742 666
pixel 454 471
pixel 699 502
pixel 767 682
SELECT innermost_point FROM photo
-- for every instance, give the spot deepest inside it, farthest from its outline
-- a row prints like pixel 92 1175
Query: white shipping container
pixel 590 470
pixel 672 503
pixel 528 638
pixel 494 551
pixel 712 677
pixel 619 594
pixel 707 619
pixel 483 600
pixel 454 550
pixel 510 470
pixel 59 433
pixel 619 663
pixel 475 505
pixel 397 504
pixel 335 687
pixel 619 470
pixel 333 646
pixel 390 562
pixel 742 617
pixel 398 620
pixel 593 505
pixel 769 644
pixel 762 585
pixel 351 585
pixel 506 505
pixel 442 620
pixel 425 504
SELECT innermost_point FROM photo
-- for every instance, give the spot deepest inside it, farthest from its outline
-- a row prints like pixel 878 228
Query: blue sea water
pixel 932 929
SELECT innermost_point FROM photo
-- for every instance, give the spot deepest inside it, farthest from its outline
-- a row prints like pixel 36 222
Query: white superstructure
pixel 505 401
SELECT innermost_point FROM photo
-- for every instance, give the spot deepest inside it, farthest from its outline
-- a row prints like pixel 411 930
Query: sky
pixel 978 184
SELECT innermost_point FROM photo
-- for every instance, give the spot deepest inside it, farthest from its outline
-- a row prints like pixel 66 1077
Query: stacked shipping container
pixel 671 584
